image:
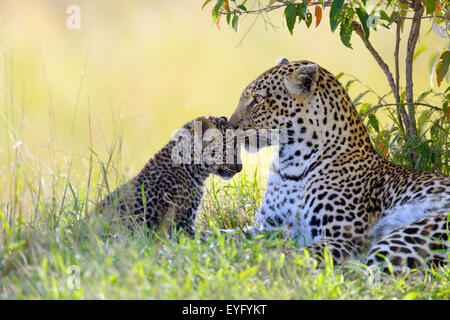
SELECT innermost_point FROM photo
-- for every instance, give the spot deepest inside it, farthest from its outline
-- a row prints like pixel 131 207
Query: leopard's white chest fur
pixel 283 206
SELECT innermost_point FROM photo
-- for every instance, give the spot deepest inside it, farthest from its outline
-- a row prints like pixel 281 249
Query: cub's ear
pixel 281 61
pixel 206 124
pixel 302 82
pixel 203 124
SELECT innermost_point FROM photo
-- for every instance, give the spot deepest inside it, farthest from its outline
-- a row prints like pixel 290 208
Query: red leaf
pixel 308 1
pixel 448 114
pixel 218 24
pixel 381 149
pixel 318 14
pixel 438 6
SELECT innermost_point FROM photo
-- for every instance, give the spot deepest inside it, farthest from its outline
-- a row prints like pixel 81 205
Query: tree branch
pixel 401 110
pixel 397 68
pixel 412 41
pixel 358 29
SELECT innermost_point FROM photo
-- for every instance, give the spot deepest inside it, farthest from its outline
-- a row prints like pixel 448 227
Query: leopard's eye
pixel 256 99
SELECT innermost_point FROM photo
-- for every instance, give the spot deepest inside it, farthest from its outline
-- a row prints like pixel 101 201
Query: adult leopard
pixel 328 186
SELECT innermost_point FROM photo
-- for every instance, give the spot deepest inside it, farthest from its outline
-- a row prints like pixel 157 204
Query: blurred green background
pixel 138 70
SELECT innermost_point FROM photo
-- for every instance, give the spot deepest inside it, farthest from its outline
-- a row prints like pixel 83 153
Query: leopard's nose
pixel 235 119
pixel 238 167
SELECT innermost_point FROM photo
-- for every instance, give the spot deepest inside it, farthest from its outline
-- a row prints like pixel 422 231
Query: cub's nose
pixel 238 167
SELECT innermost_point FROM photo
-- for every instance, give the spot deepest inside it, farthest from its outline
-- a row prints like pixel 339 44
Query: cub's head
pixel 211 144
pixel 276 98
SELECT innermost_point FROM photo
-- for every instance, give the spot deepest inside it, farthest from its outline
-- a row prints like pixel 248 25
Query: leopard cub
pixel 168 190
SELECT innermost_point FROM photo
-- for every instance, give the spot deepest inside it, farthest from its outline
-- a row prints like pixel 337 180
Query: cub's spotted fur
pixel 166 191
pixel 328 186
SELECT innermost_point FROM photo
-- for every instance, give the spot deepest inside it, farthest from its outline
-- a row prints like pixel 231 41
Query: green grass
pixel 55 247
pixel 64 97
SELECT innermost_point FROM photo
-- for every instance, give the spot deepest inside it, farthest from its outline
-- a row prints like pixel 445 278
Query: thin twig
pixel 420 18
pixel 358 29
pixel 395 104
pixel 278 6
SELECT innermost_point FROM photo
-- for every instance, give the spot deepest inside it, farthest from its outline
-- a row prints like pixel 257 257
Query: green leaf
pixel 363 16
pixel 362 94
pixel 385 16
pixel 205 3
pixel 235 23
pixel 215 11
pixel 301 10
pixel 423 95
pixel 228 17
pixel 442 66
pixel 291 15
pixel 364 108
pixel 374 122
pixel 431 6
pixel 419 50
pixel 444 108
pixel 446 90
pixel 345 33
pixel 242 7
pixel 335 13
pixel 432 61
pixel 348 84
pixel 217 7
pixel 425 150
pixel 308 20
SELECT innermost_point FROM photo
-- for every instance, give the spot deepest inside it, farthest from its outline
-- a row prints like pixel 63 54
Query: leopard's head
pixel 215 147
pixel 275 99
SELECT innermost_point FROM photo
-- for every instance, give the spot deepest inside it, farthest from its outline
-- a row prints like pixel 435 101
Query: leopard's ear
pixel 301 82
pixel 206 124
pixel 281 61
pixel 203 124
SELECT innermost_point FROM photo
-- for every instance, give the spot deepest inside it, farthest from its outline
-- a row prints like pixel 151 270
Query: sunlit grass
pixel 81 112
pixel 53 246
